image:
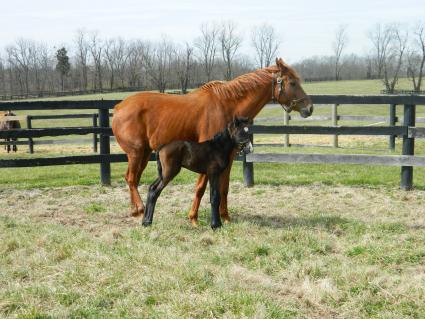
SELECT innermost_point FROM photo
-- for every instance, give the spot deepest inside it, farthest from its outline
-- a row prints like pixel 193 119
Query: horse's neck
pixel 251 104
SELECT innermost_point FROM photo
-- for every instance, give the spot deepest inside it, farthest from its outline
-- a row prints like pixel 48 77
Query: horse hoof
pixel 146 223
pixel 216 226
pixel 194 222
pixel 137 212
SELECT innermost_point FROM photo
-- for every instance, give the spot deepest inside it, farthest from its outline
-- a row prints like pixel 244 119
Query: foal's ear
pixel 235 121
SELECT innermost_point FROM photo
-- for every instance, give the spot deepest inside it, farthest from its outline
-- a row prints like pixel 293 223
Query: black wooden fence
pixel 407 131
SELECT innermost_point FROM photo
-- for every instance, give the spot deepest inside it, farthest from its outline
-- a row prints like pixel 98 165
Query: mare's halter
pixel 281 91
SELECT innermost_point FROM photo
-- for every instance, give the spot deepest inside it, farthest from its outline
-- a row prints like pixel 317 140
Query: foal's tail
pixel 158 163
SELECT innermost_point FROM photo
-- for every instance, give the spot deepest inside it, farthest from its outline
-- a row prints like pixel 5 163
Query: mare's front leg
pixel 199 192
pixel 215 201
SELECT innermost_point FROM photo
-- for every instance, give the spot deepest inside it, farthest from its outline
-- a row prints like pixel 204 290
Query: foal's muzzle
pixel 247 148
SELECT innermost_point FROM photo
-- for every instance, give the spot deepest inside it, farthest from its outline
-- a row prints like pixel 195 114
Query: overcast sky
pixel 306 28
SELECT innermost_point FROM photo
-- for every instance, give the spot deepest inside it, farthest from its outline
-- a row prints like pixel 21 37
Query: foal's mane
pixel 239 86
pixel 224 133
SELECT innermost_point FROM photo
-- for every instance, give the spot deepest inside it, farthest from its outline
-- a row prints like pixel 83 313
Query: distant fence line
pixel 411 92
pixel 47 94
pixel 407 131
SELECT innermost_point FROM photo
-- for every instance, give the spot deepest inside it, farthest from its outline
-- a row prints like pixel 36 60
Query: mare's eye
pixel 245 129
pixel 292 83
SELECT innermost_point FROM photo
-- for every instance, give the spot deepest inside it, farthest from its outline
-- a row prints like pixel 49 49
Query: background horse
pixel 6 124
pixel 144 121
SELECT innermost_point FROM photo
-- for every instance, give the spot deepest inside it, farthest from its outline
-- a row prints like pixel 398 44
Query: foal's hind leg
pixel 199 192
pixel 136 164
pixel 166 174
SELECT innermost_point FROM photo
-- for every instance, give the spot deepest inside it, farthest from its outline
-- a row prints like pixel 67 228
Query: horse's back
pixel 156 119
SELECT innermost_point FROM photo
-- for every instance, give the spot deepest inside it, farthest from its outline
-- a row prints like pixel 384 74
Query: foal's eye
pixel 245 129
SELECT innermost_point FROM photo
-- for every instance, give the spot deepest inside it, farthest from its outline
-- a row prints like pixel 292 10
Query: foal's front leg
pixel 215 201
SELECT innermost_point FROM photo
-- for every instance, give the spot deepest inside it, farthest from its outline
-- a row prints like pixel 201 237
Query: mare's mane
pixel 239 86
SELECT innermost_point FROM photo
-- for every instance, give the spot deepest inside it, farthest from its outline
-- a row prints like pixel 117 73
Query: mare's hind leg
pixel 199 192
pixel 136 164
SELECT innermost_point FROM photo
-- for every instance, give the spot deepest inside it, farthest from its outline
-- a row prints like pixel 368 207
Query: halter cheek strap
pixel 281 90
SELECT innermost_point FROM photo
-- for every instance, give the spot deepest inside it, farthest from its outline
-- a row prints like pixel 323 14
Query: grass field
pixel 308 241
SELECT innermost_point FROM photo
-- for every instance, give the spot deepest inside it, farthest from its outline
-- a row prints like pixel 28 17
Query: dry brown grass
pixel 311 252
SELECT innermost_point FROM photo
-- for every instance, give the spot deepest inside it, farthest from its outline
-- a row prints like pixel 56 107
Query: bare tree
pixel 115 58
pixel 338 46
pixel 19 56
pixel 82 56
pixel 2 77
pixel 230 42
pixel 207 47
pixel 416 58
pixel 96 48
pixel 265 43
pixel 46 64
pixel 158 63
pixel 184 65
pixel 390 43
pixel 394 60
pixel 380 36
pixel 136 52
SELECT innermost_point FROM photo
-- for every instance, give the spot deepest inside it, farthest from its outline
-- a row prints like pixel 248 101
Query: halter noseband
pixel 281 90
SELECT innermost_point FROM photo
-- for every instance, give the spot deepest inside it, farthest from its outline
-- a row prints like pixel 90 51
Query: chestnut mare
pixel 145 121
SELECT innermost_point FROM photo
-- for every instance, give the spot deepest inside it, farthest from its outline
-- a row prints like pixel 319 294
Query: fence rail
pixel 407 131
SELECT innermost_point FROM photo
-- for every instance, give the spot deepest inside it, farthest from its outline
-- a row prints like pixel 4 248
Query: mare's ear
pixel 282 66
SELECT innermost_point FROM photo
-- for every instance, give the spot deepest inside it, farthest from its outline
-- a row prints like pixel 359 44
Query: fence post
pixel 94 118
pixel 408 147
pixel 105 165
pixel 286 122
pixel 335 123
pixel 248 169
pixel 30 140
pixel 391 140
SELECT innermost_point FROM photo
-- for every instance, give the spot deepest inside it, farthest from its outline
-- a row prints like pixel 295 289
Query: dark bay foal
pixel 210 157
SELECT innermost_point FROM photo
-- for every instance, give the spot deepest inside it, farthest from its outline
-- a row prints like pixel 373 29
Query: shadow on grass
pixel 326 221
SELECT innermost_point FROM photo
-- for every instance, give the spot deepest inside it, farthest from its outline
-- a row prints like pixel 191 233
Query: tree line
pixel 95 63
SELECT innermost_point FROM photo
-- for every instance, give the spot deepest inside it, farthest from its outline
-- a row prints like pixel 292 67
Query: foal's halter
pixel 281 91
